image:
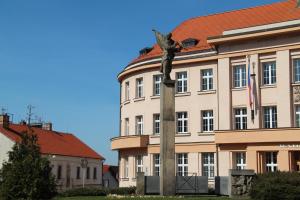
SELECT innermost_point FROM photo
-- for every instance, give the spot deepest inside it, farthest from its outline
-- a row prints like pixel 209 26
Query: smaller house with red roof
pixel 74 164
pixel 110 176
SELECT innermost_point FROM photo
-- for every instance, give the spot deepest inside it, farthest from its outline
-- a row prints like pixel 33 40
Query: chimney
pixel 47 126
pixel 4 120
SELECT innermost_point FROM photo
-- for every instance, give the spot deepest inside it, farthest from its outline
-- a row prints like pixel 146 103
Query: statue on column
pixel 169 48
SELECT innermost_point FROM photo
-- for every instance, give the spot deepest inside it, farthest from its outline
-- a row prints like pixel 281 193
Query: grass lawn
pixel 147 198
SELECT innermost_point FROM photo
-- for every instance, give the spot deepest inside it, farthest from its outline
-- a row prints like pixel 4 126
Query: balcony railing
pixel 128 142
pixel 258 136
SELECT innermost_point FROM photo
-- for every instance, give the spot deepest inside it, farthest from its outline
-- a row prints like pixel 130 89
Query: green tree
pixel 26 175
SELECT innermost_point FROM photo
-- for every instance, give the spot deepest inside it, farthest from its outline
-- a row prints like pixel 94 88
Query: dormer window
pixel 190 42
pixel 145 50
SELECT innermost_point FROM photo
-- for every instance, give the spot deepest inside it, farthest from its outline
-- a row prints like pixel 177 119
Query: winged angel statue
pixel 169 48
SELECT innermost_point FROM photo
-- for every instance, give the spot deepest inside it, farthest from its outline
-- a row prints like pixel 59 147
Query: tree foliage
pixel 276 185
pixel 26 175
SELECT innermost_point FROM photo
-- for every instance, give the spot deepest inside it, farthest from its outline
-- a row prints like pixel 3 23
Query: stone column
pixel 167 139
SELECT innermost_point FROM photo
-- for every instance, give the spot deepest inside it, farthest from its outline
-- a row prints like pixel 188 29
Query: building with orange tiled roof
pixel 237 96
pixel 110 176
pixel 74 163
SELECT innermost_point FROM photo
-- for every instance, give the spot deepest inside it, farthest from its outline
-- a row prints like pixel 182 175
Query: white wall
pixel 6 145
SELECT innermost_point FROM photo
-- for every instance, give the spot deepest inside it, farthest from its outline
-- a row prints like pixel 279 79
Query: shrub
pixel 276 185
pixel 122 191
pixel 97 191
pixel 84 192
pixel 26 175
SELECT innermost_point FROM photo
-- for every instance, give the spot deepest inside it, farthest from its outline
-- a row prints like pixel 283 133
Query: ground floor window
pixel 240 160
pixel 139 163
pixel 182 164
pixel 95 173
pixel 88 173
pixel 126 167
pixel 156 166
pixel 271 161
pixel 78 173
pixel 208 165
pixel 59 169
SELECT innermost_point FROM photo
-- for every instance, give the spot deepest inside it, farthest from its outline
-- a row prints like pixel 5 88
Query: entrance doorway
pixel 295 161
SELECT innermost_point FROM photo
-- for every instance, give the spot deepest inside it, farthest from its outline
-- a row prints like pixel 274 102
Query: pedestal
pixel 167 139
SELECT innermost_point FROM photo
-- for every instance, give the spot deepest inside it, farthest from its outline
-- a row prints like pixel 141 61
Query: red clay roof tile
pixel 213 25
pixel 52 142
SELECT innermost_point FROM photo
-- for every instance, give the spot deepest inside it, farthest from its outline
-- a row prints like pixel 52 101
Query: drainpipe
pixel 217 156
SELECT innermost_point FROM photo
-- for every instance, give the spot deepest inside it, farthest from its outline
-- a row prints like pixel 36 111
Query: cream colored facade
pixel 264 149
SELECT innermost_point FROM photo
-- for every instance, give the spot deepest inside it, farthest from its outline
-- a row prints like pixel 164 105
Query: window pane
pixel 239 74
pixel 207 79
pixel 208 164
pixel 181 82
pixel 297 116
pixel 296 70
pixel 207 121
pixel 240 118
pixel 269 71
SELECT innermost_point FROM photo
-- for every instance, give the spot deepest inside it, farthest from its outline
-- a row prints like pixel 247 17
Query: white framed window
pixel 126 128
pixel 78 172
pixel 139 125
pixel 139 163
pixel 126 167
pixel 207 79
pixel 297 117
pixel 270 117
pixel 239 76
pixel 271 161
pixel 182 122
pixel 95 173
pixel 207 121
pixel 296 66
pixel 156 166
pixel 269 73
pixel 127 90
pixel 240 160
pixel 240 118
pixel 181 78
pixel 156 124
pixel 59 172
pixel 88 173
pixel 139 88
pixel 156 84
pixel 182 164
pixel 208 165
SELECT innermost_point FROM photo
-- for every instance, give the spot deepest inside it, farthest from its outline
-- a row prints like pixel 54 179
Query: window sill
pixel 206 92
pixel 124 179
pixel 155 97
pixel 296 84
pixel 139 99
pixel 154 136
pixel 239 89
pixel 182 134
pixel 182 94
pixel 268 86
pixel 126 102
pixel 205 133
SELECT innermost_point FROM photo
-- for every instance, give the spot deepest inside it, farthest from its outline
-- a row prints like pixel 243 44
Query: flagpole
pixel 252 91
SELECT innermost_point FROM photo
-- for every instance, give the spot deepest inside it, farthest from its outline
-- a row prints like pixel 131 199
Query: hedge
pixel 276 185
pixel 97 191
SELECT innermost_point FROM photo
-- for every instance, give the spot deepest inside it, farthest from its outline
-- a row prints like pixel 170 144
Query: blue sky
pixel 63 57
